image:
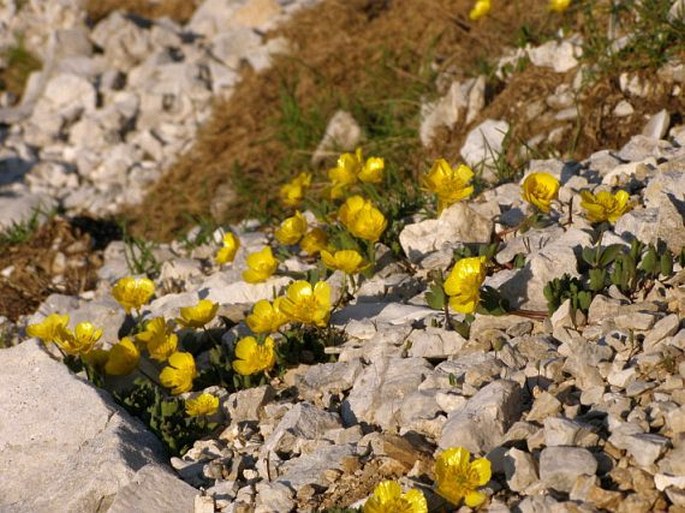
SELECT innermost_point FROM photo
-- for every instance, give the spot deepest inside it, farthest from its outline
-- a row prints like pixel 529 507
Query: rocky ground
pixel 577 409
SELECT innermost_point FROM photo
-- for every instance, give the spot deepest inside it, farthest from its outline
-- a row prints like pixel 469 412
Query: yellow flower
pixel 540 189
pixel 463 284
pixel 292 229
pixel 159 341
pixel 48 328
pixel 80 341
pixel 345 173
pixel 306 304
pixel 261 265
pixel 605 206
pixel 230 247
pixel 372 170
pixel 179 374
pixel 266 317
pixel 314 241
pixel 203 404
pixel 559 5
pixel 362 219
pixel 448 183
pixel 457 477
pixel 480 9
pixel 348 261
pixel 132 293
pixel 252 357
pixel 292 193
pixel 123 358
pixel 388 498
pixel 199 315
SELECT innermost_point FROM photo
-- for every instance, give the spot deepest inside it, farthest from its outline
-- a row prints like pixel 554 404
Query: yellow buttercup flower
pixel 314 241
pixel 372 170
pixel 345 173
pixel 362 219
pixel 80 341
pixel 559 5
pixel 260 266
pixel 458 478
pixel 48 329
pixel 605 206
pixel 179 374
pixel 231 245
pixel 540 189
pixel 198 315
pixel 202 405
pixel 122 358
pixel 132 293
pixel 348 261
pixel 266 317
pixel 160 342
pixel 291 230
pixel 306 304
pixel 292 193
pixel 449 184
pixel 388 498
pixel 252 357
pixel 480 9
pixel 464 282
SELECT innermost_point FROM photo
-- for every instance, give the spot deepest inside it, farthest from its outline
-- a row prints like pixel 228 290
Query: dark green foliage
pixel 628 268
pixel 166 417
pixel 560 289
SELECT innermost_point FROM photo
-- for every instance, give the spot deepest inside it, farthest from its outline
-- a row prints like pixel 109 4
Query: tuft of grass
pixel 20 64
pixel 20 232
pixel 139 254
pixel 651 38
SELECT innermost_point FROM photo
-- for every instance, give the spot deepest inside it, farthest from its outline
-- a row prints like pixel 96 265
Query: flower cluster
pixel 352 168
pixel 362 218
pixel 292 193
pixel 541 189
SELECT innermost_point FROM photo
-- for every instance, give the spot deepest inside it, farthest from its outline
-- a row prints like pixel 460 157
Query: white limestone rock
pixel 52 419
pixel 457 224
pixel 378 392
pixel 481 423
pixel 484 143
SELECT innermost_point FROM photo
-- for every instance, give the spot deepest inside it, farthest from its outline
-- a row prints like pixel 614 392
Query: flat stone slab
pixel 64 444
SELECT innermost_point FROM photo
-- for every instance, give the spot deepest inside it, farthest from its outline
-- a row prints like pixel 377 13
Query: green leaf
pixel 589 255
pixel 609 254
pixel 650 262
pixel 597 279
pixel 666 264
pixel 436 297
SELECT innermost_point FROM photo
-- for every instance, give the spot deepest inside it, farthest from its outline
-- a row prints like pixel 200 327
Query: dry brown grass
pixel 179 10
pixel 34 267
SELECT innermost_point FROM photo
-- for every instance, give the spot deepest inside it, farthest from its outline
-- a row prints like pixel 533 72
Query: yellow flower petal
pixel 132 293
pixel 252 357
pixel 261 265
pixel 291 230
pixel 123 358
pixel 202 405
pixel 227 253
pixel 198 315
pixel 306 304
pixel 540 189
